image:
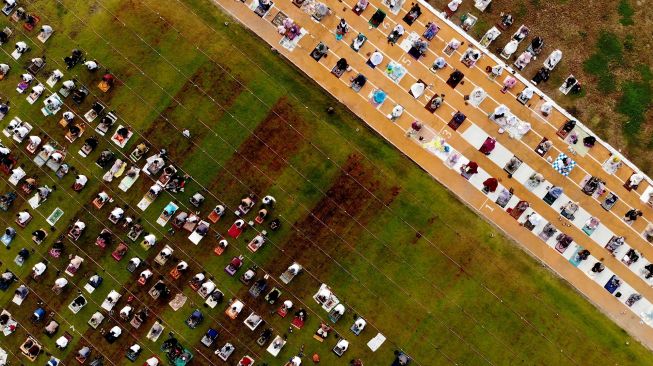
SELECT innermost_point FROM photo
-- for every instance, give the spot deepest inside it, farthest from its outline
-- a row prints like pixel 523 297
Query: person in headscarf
pixel 397 111
pixel 341 29
pixel 495 71
pixel 508 83
pixel 488 146
pixel 553 194
pixel 632 215
pixel 375 59
pixel 360 6
pixel 519 209
pixel 634 181
pixel 490 185
pixel 439 63
pixel 469 169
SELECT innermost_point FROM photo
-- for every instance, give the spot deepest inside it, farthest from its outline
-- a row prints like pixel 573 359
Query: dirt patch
pixel 190 107
pixel 331 218
pixel 263 156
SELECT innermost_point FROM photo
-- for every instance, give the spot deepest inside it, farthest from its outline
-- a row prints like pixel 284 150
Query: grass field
pixel 393 244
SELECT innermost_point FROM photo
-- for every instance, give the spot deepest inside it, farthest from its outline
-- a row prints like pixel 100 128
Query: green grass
pixel 626 12
pixel 609 52
pixel 635 100
pixel 400 283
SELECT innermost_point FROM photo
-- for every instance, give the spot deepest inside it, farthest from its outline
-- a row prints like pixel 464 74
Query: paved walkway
pixel 466 140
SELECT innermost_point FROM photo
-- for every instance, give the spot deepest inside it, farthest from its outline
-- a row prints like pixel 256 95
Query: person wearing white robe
pixel 57 75
pixel 269 200
pixel 397 111
pixel 553 59
pixel 146 274
pixel 287 304
pixel 376 58
pixel 546 108
pixel 117 213
pixel 62 342
pixel 150 240
pixel 46 30
pixel 4 69
pixel 510 48
pixel 68 116
pixel 68 84
pixel 27 78
pixel 61 282
pixel 181 266
pixel 636 179
pixel 116 331
pixel 439 63
pixel 534 219
pixel 21 47
pixel 38 90
pixel 155 189
pixel 39 268
pixel 21 132
pixel 125 311
pixel 34 141
pixel 91 65
pixel 454 4
pixel 418 89
pixel 81 180
pixel 526 94
pixel 23 216
pixel 56 157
